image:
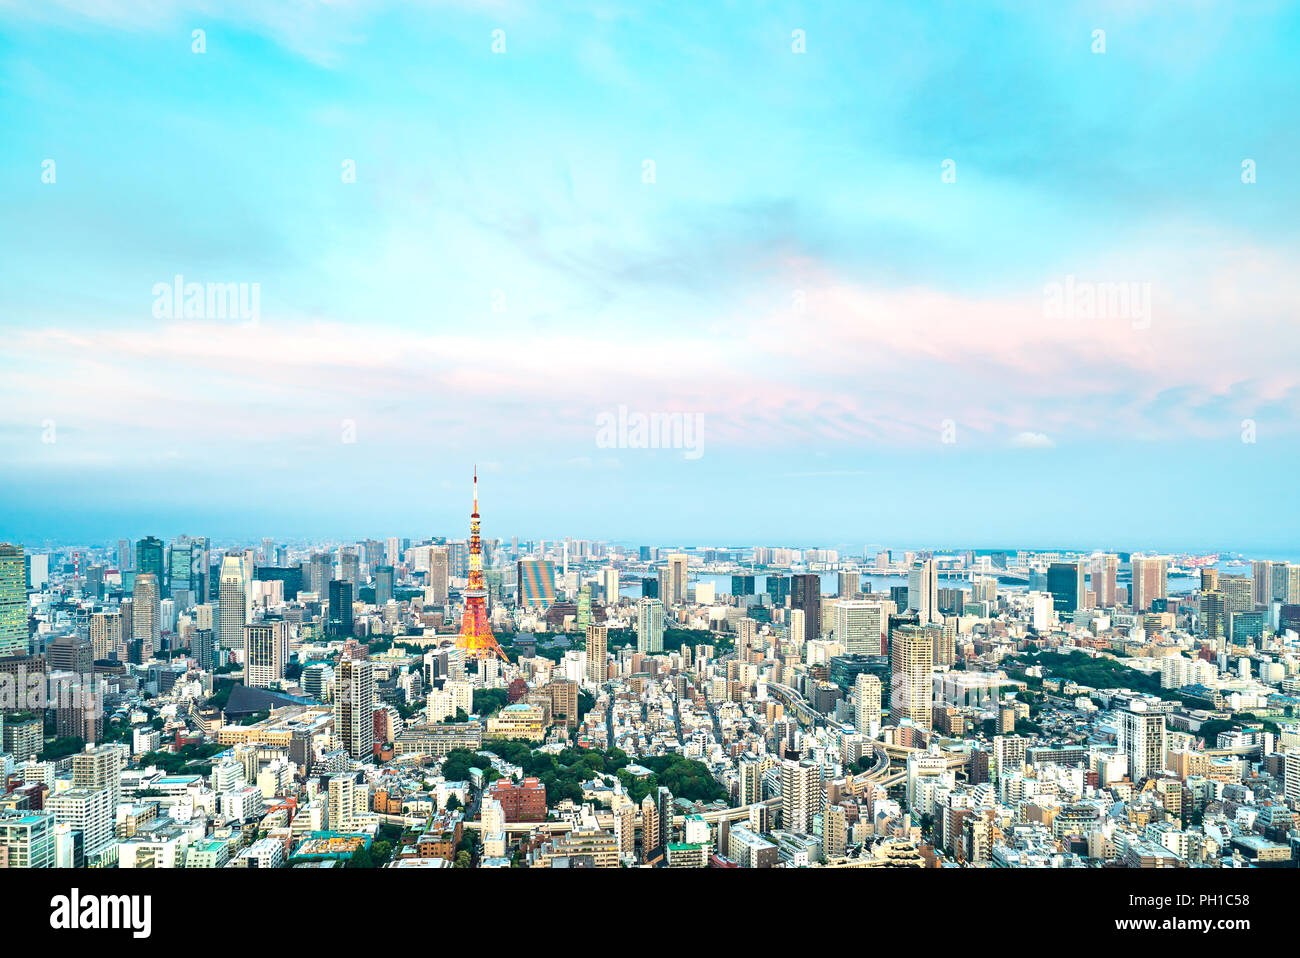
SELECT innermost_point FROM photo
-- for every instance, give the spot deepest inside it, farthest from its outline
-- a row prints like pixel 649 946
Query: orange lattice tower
pixel 476 639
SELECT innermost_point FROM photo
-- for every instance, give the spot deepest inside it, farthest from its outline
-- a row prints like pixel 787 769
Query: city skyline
pixel 865 270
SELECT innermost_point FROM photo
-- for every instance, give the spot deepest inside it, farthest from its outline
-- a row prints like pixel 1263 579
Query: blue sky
pixel 798 273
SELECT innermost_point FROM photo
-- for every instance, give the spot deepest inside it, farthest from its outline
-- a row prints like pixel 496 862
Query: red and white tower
pixel 476 639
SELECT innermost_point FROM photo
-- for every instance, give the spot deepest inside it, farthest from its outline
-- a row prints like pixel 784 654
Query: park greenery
pixel 563 774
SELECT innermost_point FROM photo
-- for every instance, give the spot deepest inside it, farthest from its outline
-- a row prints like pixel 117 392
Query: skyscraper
pixel 340 607
pixel 806 595
pixel 149 559
pixel 597 649
pixel 923 591
pixel 649 626
pixel 860 625
pixel 1065 583
pixel 802 796
pixel 320 573
pixel 266 652
pixel 778 588
pixel 349 566
pixel 677 579
pixel 383 585
pixel 146 615
pixel 866 704
pixel 1150 580
pixel 180 562
pixel 1142 738
pixel 439 581
pixel 232 610
pixel 354 706
pixel 13 601
pixel 1214 618
pixel 1105 568
pixel 911 685
pixel 1261 576
pixel 536 581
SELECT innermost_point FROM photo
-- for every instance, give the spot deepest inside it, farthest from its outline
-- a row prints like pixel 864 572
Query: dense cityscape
pixel 488 703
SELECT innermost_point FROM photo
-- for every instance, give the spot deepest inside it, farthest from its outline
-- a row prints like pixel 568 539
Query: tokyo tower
pixel 476 639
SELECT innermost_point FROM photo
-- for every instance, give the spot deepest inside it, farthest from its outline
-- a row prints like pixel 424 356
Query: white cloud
pixel 1032 440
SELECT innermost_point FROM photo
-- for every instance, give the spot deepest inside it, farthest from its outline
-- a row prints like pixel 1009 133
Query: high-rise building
pixel 350 567
pixel 13 601
pixel 1150 581
pixel 1105 569
pixel 866 704
pixel 383 585
pixel 340 607
pixel 923 591
pixel 180 569
pixel 149 559
pixel 849 585
pixel 146 613
pixel 27 839
pixel 354 706
pixel 1214 618
pixel 749 782
pixel 742 585
pixel 1261 579
pixel 802 795
pixel 1066 584
pixel 1238 593
pixel 1286 583
pixel 798 627
pixel 321 571
pixel 677 579
pixel 778 588
pixel 911 694
pixel 266 652
pixel 649 626
pixel 232 605
pixel 861 626
pixel 610 576
pixel 806 595
pixel 597 649
pixel 536 581
pixel 106 635
pixel 1142 738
